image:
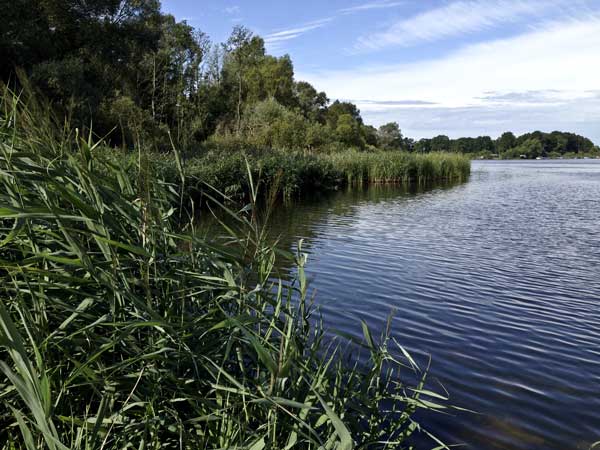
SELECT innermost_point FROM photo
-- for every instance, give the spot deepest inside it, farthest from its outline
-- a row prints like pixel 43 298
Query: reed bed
pixel 121 329
pixel 297 173
pixel 399 167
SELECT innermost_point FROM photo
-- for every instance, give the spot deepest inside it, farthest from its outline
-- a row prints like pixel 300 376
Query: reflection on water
pixel 304 218
pixel 496 279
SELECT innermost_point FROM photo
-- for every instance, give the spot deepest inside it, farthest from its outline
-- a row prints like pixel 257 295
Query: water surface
pixel 497 279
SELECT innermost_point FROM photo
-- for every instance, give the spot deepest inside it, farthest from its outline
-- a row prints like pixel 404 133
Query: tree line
pixel 136 74
pixel 509 146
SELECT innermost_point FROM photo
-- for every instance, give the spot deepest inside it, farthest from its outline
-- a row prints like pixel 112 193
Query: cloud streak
pixel 532 97
pixel 232 10
pixel 391 103
pixel 454 19
pixel 293 33
pixel 371 5
pixel 274 40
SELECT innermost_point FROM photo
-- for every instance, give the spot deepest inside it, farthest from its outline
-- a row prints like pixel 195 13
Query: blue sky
pixel 455 67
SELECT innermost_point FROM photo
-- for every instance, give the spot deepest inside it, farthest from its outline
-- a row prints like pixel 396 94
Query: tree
pixel 423 146
pixel 390 137
pixel 25 36
pixel 369 135
pixel 348 130
pixel 79 54
pixel 484 144
pixel 531 148
pixel 170 77
pixel 337 109
pixel 313 104
pixel 440 143
pixel 277 75
pixel 243 51
pixel 318 136
pixel 344 119
pixel 506 142
pixel 271 125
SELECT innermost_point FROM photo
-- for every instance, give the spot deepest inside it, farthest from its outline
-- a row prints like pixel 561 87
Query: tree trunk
pixel 239 105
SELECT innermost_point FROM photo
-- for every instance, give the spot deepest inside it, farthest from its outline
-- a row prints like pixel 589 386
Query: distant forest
pixel 137 75
pixel 509 146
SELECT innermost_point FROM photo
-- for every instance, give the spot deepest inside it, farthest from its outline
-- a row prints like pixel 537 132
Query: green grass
pixel 120 329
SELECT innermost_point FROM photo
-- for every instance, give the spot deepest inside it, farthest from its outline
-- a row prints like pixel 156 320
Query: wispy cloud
pixel 233 10
pixel 531 97
pixel 382 4
pixel 274 40
pixel 390 103
pixel 293 33
pixel 454 19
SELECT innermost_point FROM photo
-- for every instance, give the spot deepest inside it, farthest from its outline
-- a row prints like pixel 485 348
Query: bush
pixel 269 124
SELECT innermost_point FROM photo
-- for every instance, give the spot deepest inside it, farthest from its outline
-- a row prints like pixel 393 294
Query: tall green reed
pixel 296 173
pixel 361 168
pixel 121 328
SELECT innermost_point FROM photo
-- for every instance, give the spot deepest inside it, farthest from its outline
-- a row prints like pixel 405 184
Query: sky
pixel 453 67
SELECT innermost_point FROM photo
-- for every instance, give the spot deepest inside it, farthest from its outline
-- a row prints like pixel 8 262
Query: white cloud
pixel 382 4
pixel 293 33
pixel 276 39
pixel 455 19
pixel 560 59
pixel 232 10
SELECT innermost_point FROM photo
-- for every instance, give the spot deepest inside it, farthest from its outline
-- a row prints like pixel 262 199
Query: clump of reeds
pixel 399 167
pixel 296 173
pixel 120 330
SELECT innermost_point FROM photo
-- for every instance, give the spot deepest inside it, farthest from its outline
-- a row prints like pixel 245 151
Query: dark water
pixel 497 279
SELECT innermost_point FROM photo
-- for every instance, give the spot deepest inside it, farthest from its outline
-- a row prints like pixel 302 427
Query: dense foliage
pixel 140 76
pixel 137 74
pixel 119 330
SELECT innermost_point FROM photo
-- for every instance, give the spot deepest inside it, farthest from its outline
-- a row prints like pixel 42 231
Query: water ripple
pixel 496 279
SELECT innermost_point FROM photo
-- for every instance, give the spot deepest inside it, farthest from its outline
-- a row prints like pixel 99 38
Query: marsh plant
pixel 294 173
pixel 122 328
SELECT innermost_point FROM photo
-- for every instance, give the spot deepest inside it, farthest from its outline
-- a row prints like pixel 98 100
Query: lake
pixel 497 279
